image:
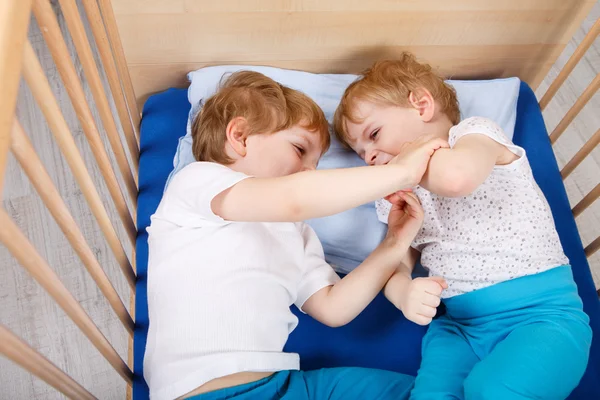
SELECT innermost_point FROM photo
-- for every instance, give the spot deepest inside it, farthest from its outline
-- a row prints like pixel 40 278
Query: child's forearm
pixel 310 194
pixel 457 172
pixel 401 279
pixel 447 174
pixel 339 304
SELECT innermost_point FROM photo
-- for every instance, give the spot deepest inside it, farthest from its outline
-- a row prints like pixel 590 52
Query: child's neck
pixel 440 126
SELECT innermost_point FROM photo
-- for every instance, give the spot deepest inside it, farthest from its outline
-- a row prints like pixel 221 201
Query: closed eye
pixel 299 149
pixel 373 134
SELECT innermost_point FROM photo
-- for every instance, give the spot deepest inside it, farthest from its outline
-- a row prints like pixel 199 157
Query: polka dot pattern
pixel 503 230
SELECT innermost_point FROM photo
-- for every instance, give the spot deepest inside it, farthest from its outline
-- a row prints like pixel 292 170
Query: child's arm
pixel 339 304
pixel 418 298
pixel 457 172
pixel 314 194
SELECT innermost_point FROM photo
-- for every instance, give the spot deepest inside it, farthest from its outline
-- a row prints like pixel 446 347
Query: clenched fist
pixel 420 299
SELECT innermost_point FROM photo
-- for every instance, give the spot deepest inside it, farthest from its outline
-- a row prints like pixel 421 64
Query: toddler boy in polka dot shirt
pixel 514 325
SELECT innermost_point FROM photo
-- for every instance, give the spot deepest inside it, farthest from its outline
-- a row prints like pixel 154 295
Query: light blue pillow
pixel 349 237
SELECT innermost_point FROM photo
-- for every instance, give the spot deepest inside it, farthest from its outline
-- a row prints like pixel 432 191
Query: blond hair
pixel 389 83
pixel 267 106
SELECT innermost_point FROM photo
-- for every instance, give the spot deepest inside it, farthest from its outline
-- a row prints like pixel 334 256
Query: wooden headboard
pixel 164 39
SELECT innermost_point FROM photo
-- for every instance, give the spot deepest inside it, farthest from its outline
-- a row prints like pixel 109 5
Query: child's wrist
pixel 404 174
pixel 397 291
pixel 396 245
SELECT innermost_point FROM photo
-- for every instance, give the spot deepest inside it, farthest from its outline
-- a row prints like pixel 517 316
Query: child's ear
pixel 423 101
pixel 237 133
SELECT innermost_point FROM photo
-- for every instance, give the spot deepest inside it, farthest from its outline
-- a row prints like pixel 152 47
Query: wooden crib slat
pixel 39 178
pixel 29 258
pixel 38 83
pixel 97 25
pixel 573 111
pixel 585 150
pixel 579 52
pixel 108 17
pixel 14 21
pixel 592 247
pixel 586 201
pixel 86 57
pixel 60 53
pixel 15 349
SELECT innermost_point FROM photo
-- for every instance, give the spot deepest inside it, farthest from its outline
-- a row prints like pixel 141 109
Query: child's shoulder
pixel 477 122
pixel 203 167
pixel 198 173
pixel 477 125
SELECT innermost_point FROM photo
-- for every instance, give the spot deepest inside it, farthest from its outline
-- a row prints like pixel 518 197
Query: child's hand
pixel 420 299
pixel 405 218
pixel 414 156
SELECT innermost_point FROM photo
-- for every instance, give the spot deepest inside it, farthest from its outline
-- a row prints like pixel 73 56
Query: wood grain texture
pixel 22 249
pixel 580 51
pixel 466 38
pixel 14 19
pixel 21 353
pixel 34 76
pixel 112 30
pixel 110 68
pixel 587 174
pixel 84 51
pixel 60 53
pixel 38 176
pixel 27 310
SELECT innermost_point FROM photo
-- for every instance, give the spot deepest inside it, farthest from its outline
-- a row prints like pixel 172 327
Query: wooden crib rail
pixel 93 13
pixel 580 51
pixel 14 21
pixel 34 76
pixel 18 59
pixel 28 159
pixel 568 118
pixel 58 48
pixel 12 347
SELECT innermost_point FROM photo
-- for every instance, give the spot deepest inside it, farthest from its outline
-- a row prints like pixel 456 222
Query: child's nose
pixel 371 157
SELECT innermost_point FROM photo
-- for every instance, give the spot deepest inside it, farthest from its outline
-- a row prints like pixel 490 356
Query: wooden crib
pixel 146 46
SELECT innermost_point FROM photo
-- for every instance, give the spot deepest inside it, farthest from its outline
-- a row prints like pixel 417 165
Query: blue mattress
pixel 380 337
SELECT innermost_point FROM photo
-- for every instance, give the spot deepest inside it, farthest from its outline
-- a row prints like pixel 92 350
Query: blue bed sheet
pixel 380 337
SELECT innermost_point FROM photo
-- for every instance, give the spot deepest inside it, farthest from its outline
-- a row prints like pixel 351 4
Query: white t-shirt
pixel 501 231
pixel 219 292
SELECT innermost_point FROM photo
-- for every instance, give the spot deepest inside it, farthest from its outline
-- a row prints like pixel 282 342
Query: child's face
pixel 282 153
pixel 383 130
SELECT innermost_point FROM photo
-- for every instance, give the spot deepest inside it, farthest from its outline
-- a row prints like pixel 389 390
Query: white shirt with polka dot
pixel 503 230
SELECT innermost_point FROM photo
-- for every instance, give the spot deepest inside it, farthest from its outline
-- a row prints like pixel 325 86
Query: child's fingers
pixel 421 320
pixel 396 199
pixel 414 206
pixel 395 196
pixel 427 312
pixel 440 281
pixel 436 143
pixel 432 286
pixel 430 300
pixel 410 198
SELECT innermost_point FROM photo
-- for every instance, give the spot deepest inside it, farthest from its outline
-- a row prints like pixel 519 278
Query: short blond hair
pixel 267 106
pixel 389 83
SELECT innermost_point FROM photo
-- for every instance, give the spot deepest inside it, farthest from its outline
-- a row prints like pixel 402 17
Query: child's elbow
pixel 335 322
pixel 458 183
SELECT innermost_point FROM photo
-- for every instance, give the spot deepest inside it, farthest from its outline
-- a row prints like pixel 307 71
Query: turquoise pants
pixel 327 383
pixel 527 338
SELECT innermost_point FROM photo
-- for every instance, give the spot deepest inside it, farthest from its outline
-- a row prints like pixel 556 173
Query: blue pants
pixel 527 338
pixel 327 383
